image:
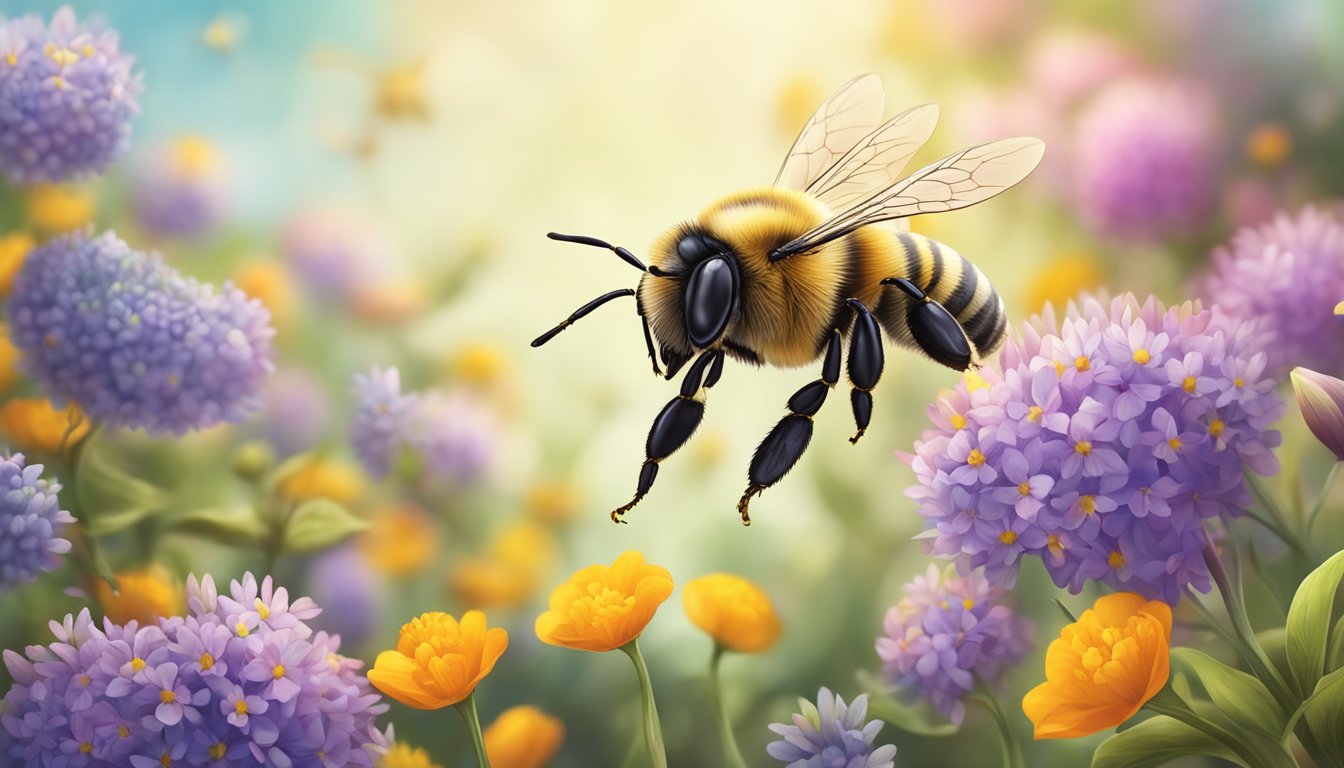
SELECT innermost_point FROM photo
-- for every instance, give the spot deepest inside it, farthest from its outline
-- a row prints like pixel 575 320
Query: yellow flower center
pixel 62 56
pixel 58 82
pixel 1088 504
pixel 240 707
pixel 1024 488
pixel 1008 537
pixel 166 760
pixel 217 751
pixel 976 458
pixel 334 661
pixel 278 672
pixel 167 697
pixel 137 663
pixel 1238 382
pixel 1142 356
pixel 85 747
pixel 1216 427
pixel 968 603
pixel 1059 368
pixel 207 661
pixel 958 421
pixel 84 680
pixel 1034 413
pixel 1189 385
pixel 1053 543
pixel 241 628
pixel 123 730
pixel 1116 560
pixel 11 59
pixel 1081 363
pixel 87 51
pixel 263 610
pixel 1082 447
pixel 1175 443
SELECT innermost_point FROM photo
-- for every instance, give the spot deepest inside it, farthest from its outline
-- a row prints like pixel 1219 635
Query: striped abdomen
pixel 949 279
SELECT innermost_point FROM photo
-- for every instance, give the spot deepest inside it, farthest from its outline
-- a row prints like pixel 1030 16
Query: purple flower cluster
pixel 830 734
pixel 1290 273
pixel 241 681
pixel 31 519
pixel 1144 159
pixel 946 634
pixel 449 432
pixel 67 96
pixel 134 342
pixel 1102 446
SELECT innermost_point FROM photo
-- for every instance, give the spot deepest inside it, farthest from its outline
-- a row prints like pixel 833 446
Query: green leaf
pixel 235 526
pixel 919 718
pixel 318 524
pixel 1324 713
pixel 1157 740
pixel 1241 697
pixel 1310 619
pixel 114 500
pixel 1274 642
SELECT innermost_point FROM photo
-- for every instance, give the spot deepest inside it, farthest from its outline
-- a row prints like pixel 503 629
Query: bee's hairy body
pixel 789 308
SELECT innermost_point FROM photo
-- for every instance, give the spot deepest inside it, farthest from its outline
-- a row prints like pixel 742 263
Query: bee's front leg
pixel 675 424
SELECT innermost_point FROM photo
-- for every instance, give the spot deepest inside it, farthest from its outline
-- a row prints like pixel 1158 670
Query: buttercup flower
pixel 602 608
pixel 1103 667
pixel 270 283
pixel 141 596
pixel 322 478
pixel 34 424
pixel 831 733
pixel 1321 400
pixel 401 540
pixel 53 208
pixel 947 634
pixel 31 520
pixel 1101 446
pixel 403 755
pixel 69 97
pixel 511 570
pixel 736 612
pixel 181 190
pixel 133 342
pixel 1288 274
pixel 438 661
pixel 523 737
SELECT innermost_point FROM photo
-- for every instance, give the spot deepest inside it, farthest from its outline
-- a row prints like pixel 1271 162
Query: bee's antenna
pixel 625 254
pixel 580 312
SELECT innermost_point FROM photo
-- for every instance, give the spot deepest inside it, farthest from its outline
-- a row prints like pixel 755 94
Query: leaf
pixel 1157 740
pixel 918 719
pixel 1244 699
pixel 1274 642
pixel 1309 622
pixel 318 524
pixel 235 526
pixel 113 499
pixel 1324 712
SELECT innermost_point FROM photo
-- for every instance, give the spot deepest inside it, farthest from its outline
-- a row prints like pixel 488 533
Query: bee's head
pixel 692 292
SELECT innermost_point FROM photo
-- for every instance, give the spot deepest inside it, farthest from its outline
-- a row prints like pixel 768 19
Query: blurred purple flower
pixel 31 520
pixel 180 190
pixel 383 418
pixel 134 342
pixel 947 634
pixel 830 734
pixel 1140 419
pixel 295 410
pixel 1066 66
pixel 1144 159
pixel 134 695
pixel 336 253
pixel 1289 273
pixel 341 580
pixel 67 96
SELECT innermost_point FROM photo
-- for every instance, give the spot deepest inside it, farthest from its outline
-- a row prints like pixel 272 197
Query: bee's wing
pixel 839 123
pixel 877 160
pixel 963 178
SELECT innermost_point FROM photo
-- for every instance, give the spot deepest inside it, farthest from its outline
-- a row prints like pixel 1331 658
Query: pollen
pixel 166 760
pixel 241 629
pixel 240 707
pixel 1008 537
pixel 1034 413
pixel 263 610
pixel 1189 385
pixel 207 661
pixel 1082 447
pixel 1081 363
pixel 84 680
pixel 123 731
pixel 1142 356
pixel 1024 488
pixel 278 672
pixel 167 697
pixel 1216 427
pixel 968 603
pixel 59 83
pixel 1088 504
pixel 85 747
pixel 217 751
pixel 11 59
pixel 976 458
pixel 137 664
pixel 88 51
pixel 1060 368
pixel 1116 560
pixel 1053 543
pixel 62 56
pixel 1238 382
pixel 1175 443
pixel 958 421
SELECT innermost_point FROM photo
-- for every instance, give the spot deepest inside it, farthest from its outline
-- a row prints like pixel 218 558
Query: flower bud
pixel 1321 399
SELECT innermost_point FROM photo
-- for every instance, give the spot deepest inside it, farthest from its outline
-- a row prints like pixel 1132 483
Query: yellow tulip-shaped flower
pixel 735 612
pixel 602 608
pixel 34 424
pixel 141 596
pixel 523 737
pixel 1103 667
pixel 438 661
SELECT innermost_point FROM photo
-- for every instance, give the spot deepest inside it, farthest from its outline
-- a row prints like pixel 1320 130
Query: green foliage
pixel 319 524
pixel 1310 619
pixel 113 500
pixel 1243 699
pixel 916 718
pixel 235 526
pixel 1156 741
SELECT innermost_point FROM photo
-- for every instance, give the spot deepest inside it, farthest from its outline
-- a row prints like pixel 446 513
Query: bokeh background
pixel 440 141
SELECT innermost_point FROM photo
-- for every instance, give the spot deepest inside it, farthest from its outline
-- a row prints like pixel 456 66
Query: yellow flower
pixel 735 612
pixel 270 283
pixel 401 92
pixel 401 540
pixel 14 248
pixel 9 358
pixel 194 156
pixel 390 302
pixel 552 501
pixel 403 756
pixel 602 608
pixel 1269 145
pixel 1063 279
pixel 320 478
pixel 141 596
pixel 1103 667
pixel 54 209
pixel 480 364
pixel 523 737
pixel 34 424
pixel 438 661
pixel 510 572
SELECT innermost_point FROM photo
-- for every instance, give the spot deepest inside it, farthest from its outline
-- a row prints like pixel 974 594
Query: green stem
pixel 732 756
pixel 1216 626
pixel 87 552
pixel 1321 499
pixel 653 731
pixel 467 708
pixel 1011 749
pixel 1277 521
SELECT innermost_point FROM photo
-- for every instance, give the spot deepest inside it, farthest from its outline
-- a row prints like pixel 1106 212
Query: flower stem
pixel 467 708
pixel 653 731
pixel 1012 750
pixel 1276 519
pixel 1321 498
pixel 732 756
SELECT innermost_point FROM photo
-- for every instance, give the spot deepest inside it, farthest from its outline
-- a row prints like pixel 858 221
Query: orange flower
pixel 143 596
pixel 340 481
pixel 734 611
pixel 401 540
pixel 34 424
pixel 54 209
pixel 1103 667
pixel 602 608
pixel 438 661
pixel 523 737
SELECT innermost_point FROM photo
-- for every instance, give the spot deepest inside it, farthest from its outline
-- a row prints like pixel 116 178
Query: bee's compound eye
pixel 693 249
pixel 711 294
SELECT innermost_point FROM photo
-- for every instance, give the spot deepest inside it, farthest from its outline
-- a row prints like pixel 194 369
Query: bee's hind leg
pixel 675 424
pixel 785 444
pixel 864 364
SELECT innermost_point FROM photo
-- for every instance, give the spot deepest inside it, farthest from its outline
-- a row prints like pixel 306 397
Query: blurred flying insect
pixel 782 275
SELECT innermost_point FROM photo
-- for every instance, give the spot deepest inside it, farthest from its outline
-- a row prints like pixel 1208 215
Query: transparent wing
pixel 877 160
pixel 841 121
pixel 959 180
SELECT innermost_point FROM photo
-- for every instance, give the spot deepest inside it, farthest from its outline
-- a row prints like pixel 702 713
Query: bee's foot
pixel 752 490
pixel 855 439
pixel 617 514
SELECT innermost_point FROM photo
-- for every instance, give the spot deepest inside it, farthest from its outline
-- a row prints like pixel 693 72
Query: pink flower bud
pixel 1321 399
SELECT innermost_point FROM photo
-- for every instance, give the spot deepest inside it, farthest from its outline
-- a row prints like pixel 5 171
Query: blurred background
pixel 382 175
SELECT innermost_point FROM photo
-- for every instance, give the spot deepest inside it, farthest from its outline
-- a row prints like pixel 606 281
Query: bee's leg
pixel 675 423
pixel 864 364
pixel 935 329
pixel 785 444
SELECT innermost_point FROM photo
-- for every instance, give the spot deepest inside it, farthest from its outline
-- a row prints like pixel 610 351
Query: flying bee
pixel 785 275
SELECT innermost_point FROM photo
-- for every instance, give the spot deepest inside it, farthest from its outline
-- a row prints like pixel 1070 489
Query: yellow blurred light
pixel 1063 279
pixel 480 363
pixel 1269 145
pixel 339 481
pixel 141 596
pixel 401 540
pixel 552 501
pixel 34 424
pixel 797 99
pixel 527 546
pixel 9 358
pixel 484 582
pixel 401 92
pixel 390 302
pixel 269 282
pixel 222 34
pixel 53 209
pixel 14 248
pixel 195 156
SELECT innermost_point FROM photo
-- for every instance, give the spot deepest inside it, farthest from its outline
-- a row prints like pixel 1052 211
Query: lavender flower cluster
pixel 447 431
pixel 946 634
pixel 67 96
pixel 30 521
pixel 241 681
pixel 830 734
pixel 1103 445
pixel 134 342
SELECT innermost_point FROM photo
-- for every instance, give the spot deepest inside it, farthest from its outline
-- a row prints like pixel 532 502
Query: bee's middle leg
pixel 785 444
pixel 675 424
pixel 865 363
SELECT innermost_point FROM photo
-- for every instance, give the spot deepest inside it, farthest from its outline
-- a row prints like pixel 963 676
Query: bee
pixel 786 275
